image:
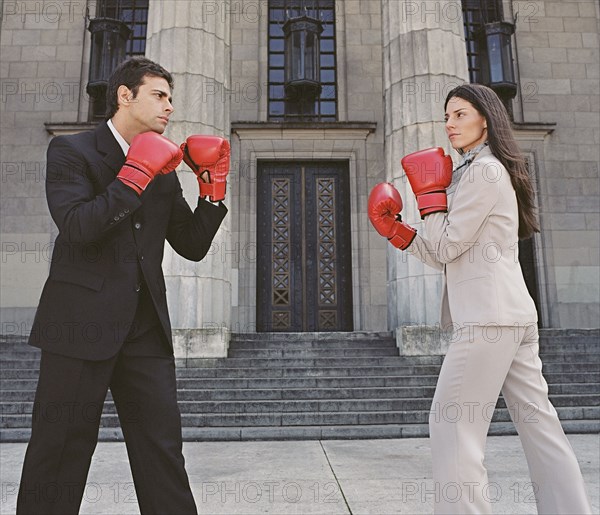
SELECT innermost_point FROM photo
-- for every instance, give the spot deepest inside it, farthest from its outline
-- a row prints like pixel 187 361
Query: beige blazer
pixel 475 244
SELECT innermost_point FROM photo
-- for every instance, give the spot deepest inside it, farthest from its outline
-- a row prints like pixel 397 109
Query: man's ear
pixel 124 95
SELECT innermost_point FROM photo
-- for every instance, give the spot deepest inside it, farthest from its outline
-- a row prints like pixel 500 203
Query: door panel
pixel 304 252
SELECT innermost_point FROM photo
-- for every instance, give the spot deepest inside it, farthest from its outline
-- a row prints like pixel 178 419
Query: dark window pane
pixel 276 92
pixel 327 75
pixel 276 60
pixel 328 92
pixel 276 45
pixel 328 108
pixel 327 15
pixel 327 45
pixel 139 46
pixel 139 31
pixel 327 60
pixel 276 76
pixel 135 14
pixel 275 30
pixel 281 109
pixel 276 108
pixel 327 31
pixel 278 15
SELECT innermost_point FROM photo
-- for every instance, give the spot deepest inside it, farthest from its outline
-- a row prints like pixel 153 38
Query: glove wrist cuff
pixel 434 202
pixel 134 177
pixel 403 236
pixel 215 192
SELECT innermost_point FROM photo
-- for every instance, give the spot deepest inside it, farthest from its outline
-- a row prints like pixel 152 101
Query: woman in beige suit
pixel 472 229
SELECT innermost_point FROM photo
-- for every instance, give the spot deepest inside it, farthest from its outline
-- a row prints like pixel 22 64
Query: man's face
pixel 151 108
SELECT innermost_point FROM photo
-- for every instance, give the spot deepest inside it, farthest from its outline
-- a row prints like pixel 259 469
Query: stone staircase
pixel 319 386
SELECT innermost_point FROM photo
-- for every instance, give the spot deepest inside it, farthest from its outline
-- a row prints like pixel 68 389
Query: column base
pixel 422 340
pixel 190 344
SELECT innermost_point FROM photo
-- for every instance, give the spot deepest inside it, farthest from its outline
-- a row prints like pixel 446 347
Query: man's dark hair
pixel 131 73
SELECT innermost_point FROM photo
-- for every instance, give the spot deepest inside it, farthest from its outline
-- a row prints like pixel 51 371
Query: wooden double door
pixel 304 272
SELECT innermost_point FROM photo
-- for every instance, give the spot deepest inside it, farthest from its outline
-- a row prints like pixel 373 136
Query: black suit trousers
pixel 66 417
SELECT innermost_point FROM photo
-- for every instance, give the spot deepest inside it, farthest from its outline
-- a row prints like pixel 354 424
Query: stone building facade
pixel 306 179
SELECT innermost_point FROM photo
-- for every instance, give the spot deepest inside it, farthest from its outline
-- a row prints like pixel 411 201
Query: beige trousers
pixel 481 362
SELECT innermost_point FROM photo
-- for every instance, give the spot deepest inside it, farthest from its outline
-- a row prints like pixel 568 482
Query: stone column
pixel 424 57
pixel 191 38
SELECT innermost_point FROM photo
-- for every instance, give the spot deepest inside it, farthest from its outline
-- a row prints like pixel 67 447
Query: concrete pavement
pixel 309 477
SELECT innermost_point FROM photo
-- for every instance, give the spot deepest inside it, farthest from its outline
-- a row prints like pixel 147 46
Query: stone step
pixel 296 354
pixel 297 357
pixel 579 390
pixel 277 359
pixel 28 356
pixel 314 371
pixel 569 334
pixel 577 347
pixel 558 342
pixel 341 432
pixel 315 432
pixel 571 340
pixel 313 353
pixel 338 349
pixel 192 383
pixel 419 416
pixel 311 345
pixel 278 362
pixel 386 368
pixel 300 338
pixel 319 385
pixel 319 371
pixel 569 357
pixel 311 405
pixel 236 394
pixel 272 383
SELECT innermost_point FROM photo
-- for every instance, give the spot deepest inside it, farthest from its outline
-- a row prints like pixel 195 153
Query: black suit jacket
pixel 110 242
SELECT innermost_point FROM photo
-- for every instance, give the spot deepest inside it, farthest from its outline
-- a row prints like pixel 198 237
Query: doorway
pixel 304 274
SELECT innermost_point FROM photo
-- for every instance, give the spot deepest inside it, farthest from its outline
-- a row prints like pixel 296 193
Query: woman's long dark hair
pixel 503 145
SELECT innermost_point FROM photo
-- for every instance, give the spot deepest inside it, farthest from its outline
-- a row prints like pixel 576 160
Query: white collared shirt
pixel 120 139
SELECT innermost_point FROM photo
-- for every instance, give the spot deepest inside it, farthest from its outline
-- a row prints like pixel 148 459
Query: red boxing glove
pixel 149 155
pixel 385 205
pixel 208 155
pixel 429 173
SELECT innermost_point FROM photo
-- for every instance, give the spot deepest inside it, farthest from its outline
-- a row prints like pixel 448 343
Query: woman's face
pixel 465 127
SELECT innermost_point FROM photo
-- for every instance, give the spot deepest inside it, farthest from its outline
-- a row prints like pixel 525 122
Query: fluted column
pixel 191 38
pixel 424 58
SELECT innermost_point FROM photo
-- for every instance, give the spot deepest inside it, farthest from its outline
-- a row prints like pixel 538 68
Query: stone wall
pixel 424 58
pixel 557 44
pixel 191 38
pixel 395 62
pixel 44 55
pixel 359 76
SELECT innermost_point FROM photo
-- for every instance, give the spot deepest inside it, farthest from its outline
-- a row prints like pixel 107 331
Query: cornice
pixel 58 129
pixel 525 131
pixel 303 130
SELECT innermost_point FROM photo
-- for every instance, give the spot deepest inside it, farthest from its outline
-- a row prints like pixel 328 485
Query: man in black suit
pixel 102 321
